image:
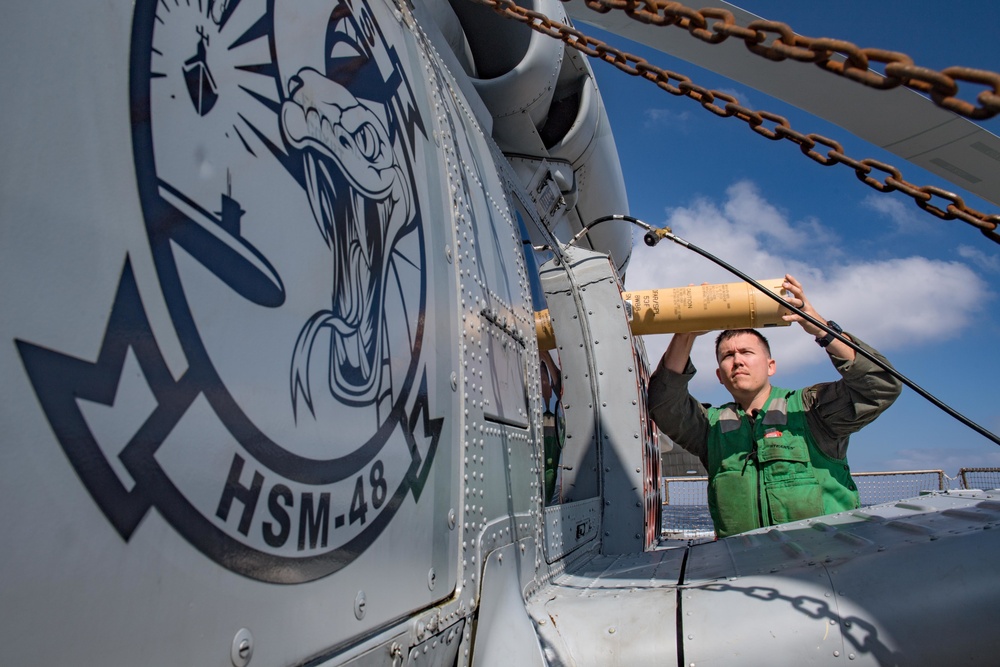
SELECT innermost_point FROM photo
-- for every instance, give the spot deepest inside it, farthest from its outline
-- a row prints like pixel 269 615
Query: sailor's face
pixel 744 365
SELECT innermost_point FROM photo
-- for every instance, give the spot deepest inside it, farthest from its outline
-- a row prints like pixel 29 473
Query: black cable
pixel 654 235
pixel 594 223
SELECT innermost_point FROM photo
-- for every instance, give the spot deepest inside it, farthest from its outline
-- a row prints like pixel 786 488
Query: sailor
pixel 773 455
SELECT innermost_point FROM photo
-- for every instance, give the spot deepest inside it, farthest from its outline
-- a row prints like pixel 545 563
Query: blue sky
pixel 920 290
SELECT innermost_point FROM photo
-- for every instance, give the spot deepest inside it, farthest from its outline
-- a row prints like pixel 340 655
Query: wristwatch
pixel 823 341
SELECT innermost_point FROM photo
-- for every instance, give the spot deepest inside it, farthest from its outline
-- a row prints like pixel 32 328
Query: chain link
pixel 715 25
pixel 777 41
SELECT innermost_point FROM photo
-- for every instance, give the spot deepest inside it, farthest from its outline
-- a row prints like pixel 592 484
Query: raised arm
pixel 674 410
pixel 837 409
pixel 679 351
pixel 836 348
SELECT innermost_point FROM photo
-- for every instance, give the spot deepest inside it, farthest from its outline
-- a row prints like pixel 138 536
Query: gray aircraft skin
pixel 273 394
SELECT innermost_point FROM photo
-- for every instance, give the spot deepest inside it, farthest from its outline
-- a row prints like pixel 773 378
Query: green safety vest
pixel 769 470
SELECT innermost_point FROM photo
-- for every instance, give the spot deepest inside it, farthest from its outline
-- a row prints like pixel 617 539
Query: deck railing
pixel 685 499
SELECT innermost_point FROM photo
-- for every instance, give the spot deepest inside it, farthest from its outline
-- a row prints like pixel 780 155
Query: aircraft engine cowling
pixel 549 120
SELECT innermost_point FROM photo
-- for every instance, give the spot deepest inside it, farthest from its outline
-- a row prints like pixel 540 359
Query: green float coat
pixel 768 470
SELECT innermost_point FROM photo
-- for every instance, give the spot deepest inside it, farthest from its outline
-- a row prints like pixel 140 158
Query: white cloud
pixel 893 304
pixel 745 208
pixel 903 213
pixel 666 118
pixel 979 258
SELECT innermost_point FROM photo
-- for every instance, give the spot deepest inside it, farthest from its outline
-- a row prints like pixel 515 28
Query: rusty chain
pixel 717 25
pixel 900 70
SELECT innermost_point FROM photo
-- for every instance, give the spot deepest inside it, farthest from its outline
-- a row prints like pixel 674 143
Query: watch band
pixel 823 341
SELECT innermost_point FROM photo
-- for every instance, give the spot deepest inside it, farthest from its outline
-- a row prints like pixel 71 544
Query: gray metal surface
pixel 612 610
pixel 621 423
pixel 570 526
pixel 505 634
pixel 173 582
pixel 460 436
pixel 580 453
pixel 605 424
pixel 187 479
pixel 875 586
pixel 908 583
pixel 442 650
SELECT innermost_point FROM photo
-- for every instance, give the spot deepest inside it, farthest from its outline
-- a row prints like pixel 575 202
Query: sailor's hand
pixel 799 300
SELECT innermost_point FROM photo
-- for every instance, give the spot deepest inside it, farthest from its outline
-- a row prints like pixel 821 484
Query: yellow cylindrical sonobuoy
pixel 704 308
pixel 686 309
pixel 544 331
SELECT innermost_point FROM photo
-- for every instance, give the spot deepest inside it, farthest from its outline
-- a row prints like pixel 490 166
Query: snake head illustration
pixel 361 203
pixel 325 116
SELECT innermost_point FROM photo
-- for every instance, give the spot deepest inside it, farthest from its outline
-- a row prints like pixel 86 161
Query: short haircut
pixel 732 333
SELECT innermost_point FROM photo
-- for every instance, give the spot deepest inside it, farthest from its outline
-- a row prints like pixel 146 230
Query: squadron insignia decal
pixel 275 160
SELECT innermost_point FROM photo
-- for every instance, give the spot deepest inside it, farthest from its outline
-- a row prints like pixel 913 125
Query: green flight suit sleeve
pixel 837 409
pixel 676 412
